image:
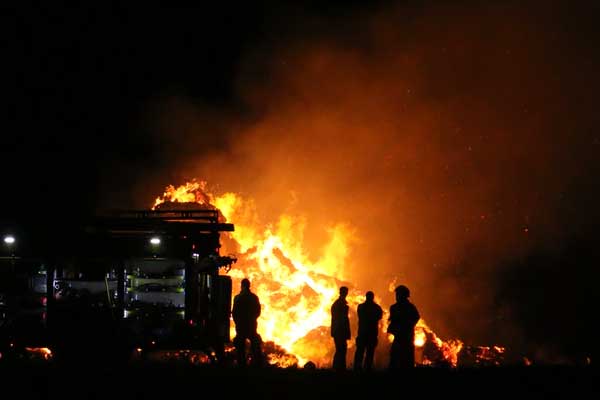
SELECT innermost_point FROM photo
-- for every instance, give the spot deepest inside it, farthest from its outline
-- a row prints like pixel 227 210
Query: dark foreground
pixel 175 381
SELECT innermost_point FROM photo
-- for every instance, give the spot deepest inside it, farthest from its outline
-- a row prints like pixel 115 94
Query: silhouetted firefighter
pixel 340 329
pixel 246 310
pixel 369 315
pixel 403 318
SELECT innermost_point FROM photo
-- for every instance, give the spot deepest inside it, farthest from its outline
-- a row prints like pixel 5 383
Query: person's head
pixel 245 284
pixel 343 292
pixel 402 292
pixel 370 296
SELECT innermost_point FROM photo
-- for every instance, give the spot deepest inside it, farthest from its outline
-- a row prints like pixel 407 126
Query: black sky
pixel 80 75
pixel 80 79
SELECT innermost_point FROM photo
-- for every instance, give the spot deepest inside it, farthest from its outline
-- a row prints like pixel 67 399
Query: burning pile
pixel 482 356
pixel 296 292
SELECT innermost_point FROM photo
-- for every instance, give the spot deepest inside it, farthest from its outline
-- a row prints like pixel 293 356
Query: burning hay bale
pixel 190 195
pixel 316 346
pixel 171 206
pixel 278 357
pixel 296 291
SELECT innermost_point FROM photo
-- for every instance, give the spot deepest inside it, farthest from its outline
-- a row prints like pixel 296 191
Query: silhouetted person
pixel 340 329
pixel 369 315
pixel 403 318
pixel 245 312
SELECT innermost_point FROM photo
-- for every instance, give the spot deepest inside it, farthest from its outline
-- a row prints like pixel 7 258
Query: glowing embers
pixel 483 356
pixel 275 356
pixel 16 351
pixel 43 352
pixel 183 356
pixel 434 350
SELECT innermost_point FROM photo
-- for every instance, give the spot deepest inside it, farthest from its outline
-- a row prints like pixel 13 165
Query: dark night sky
pixel 79 76
pixel 78 81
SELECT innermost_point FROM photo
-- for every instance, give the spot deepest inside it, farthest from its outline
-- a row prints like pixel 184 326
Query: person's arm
pixel 235 309
pixel 258 307
pixel 391 329
pixel 416 315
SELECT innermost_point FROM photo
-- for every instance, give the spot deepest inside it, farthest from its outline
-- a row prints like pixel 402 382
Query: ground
pixel 159 380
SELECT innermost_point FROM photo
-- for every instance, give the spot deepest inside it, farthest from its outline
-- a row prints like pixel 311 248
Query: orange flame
pixel 449 348
pixel 296 291
pixel 191 192
pixel 43 352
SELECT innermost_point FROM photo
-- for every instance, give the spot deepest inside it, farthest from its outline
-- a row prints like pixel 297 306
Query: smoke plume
pixel 456 140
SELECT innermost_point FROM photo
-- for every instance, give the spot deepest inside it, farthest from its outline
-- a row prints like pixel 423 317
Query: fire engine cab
pixel 140 280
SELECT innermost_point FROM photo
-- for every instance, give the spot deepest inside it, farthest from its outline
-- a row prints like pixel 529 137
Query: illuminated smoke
pixel 440 136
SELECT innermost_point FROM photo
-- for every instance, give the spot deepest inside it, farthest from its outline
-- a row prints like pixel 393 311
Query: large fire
pixel 296 291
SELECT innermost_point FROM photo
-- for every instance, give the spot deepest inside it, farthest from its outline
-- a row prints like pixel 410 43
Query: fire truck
pixel 129 281
pixel 22 295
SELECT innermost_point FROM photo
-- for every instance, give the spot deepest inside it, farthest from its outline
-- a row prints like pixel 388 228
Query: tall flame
pixel 296 292
pixel 191 192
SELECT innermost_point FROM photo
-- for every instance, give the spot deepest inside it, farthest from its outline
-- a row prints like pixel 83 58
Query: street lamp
pixel 155 245
pixel 9 241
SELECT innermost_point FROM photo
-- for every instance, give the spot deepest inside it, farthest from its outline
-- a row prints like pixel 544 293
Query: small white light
pixel 9 239
pixel 155 241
